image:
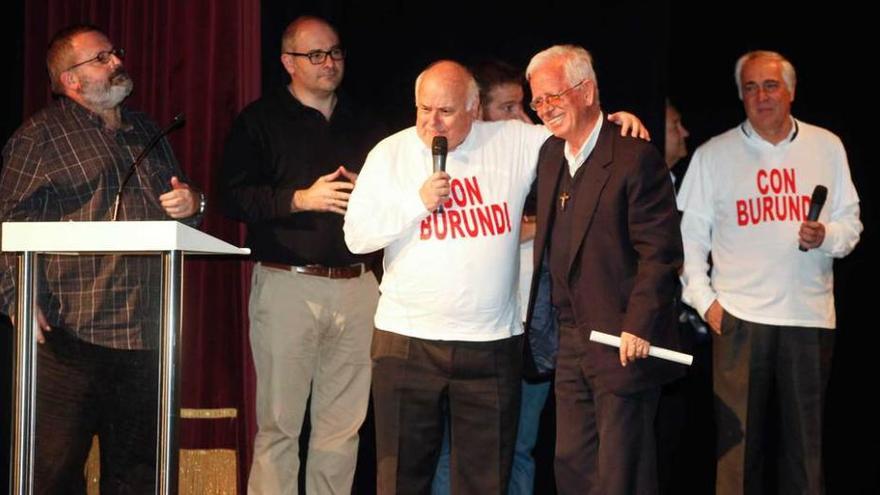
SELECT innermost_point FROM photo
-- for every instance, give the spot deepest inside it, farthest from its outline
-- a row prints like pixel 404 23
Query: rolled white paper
pixel 657 352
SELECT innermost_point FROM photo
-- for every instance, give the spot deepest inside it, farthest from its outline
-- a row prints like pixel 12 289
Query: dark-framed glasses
pixel 317 57
pixel 552 100
pixel 102 57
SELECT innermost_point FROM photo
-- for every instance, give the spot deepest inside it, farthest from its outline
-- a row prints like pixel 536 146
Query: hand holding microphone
pixel 812 233
pixel 435 190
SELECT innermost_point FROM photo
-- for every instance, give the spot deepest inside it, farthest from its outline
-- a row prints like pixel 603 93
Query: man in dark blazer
pixel 608 233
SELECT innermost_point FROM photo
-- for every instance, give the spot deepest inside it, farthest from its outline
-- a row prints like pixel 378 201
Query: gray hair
pixel 577 64
pixel 473 90
pixel 788 73
pixel 60 53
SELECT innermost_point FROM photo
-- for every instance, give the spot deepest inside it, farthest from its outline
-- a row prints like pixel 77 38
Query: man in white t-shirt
pixel 448 325
pixel 745 199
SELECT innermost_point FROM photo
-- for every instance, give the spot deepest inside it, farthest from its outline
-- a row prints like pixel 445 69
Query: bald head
pixel 450 72
pixel 447 102
pixel 301 26
pixel 311 82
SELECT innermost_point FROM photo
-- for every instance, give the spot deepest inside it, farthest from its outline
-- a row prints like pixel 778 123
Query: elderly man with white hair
pixel 770 304
pixel 448 325
pixel 607 233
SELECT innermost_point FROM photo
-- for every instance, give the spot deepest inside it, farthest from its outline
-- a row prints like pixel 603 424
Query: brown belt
pixel 351 271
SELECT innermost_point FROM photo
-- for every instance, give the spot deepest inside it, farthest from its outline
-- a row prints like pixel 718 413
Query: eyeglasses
pixel 317 57
pixel 551 99
pixel 769 86
pixel 103 57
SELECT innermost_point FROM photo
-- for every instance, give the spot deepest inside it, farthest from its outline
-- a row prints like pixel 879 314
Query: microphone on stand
pixel 176 123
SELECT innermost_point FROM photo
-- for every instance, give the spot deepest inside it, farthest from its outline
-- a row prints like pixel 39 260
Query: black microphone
pixel 176 123
pixel 817 201
pixel 438 151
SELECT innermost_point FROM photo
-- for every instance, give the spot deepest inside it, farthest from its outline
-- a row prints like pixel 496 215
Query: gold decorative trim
pixel 208 472
pixel 202 471
pixel 229 412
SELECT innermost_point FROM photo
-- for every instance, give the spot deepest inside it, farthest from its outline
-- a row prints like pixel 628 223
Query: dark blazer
pixel 625 255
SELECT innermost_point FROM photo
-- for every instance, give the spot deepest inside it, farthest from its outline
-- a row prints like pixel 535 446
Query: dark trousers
pixel 414 380
pixel 762 368
pixel 84 390
pixel 605 442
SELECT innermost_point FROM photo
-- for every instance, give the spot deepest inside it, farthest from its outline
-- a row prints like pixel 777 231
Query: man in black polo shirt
pixel 290 163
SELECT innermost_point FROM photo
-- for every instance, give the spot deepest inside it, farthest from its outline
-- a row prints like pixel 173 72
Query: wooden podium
pixel 171 240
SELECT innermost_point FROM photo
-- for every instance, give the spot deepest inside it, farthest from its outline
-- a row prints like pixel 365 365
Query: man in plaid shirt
pixel 98 316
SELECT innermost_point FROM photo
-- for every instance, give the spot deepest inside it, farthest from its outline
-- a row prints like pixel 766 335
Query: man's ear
pixel 69 80
pixel 477 111
pixel 589 92
pixel 287 62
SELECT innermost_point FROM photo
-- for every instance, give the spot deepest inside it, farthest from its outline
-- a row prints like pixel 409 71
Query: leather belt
pixel 335 272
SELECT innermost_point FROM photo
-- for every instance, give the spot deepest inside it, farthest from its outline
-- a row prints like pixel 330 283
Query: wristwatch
pixel 203 203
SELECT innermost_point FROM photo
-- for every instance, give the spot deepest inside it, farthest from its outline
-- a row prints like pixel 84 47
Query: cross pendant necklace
pixel 563 200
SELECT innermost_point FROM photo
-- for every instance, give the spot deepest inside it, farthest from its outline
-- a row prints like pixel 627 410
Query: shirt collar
pixel 292 103
pixel 575 160
pixel 752 135
pixel 84 113
pixel 468 144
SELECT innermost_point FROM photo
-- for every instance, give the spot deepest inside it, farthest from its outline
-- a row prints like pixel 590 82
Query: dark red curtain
pixel 201 57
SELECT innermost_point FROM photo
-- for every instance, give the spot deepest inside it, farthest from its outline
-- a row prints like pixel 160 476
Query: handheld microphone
pixel 817 201
pixel 176 123
pixel 438 151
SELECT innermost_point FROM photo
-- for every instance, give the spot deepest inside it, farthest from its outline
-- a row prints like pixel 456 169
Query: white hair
pixel 577 64
pixel 788 73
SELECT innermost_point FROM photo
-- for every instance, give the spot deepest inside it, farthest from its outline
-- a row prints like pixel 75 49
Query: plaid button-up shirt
pixel 64 165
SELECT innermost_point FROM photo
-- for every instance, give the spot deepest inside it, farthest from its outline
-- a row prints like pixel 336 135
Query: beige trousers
pixel 310 336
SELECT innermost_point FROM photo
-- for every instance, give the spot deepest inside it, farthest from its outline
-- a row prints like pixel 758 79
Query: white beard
pixel 107 95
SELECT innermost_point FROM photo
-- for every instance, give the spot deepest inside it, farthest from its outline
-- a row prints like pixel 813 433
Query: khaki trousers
pixel 310 337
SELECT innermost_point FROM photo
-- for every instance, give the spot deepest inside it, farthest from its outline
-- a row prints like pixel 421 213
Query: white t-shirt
pixel 449 275
pixel 744 199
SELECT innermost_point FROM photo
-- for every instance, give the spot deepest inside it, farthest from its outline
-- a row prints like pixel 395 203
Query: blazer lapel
pixel 585 196
pixel 549 167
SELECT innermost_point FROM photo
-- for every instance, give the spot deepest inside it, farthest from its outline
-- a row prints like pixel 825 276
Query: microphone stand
pixel 176 122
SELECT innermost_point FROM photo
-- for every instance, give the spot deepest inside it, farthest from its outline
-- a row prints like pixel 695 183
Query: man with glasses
pixel 501 98
pixel 769 304
pixel 290 163
pixel 448 328
pixel 98 315
pixel 608 230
